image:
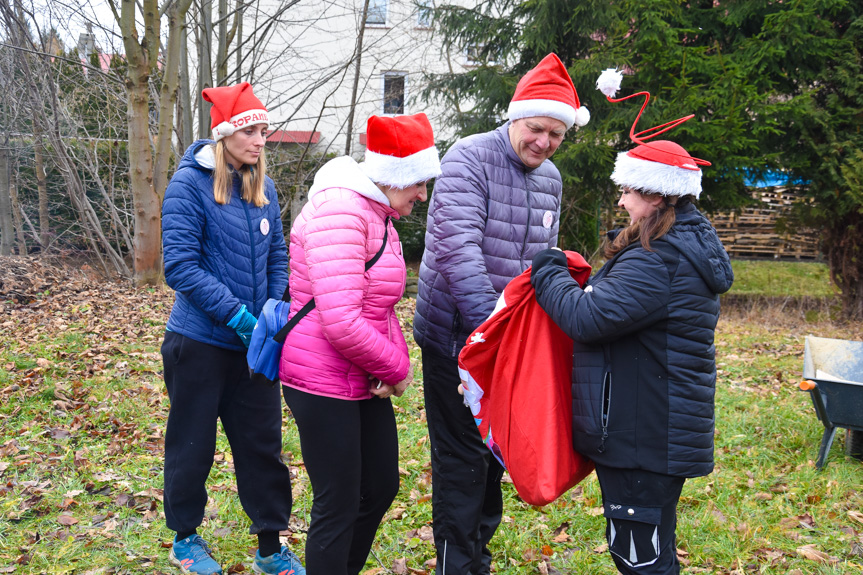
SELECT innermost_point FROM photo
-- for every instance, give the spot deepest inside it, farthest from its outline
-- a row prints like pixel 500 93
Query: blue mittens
pixel 243 323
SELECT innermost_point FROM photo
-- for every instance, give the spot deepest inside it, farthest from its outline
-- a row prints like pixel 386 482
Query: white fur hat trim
pixel 655 177
pixel 402 172
pixel 241 120
pixel 552 108
pixel 223 130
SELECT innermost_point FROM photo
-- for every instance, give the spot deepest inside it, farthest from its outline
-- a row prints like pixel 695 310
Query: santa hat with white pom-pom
pixel 547 90
pixel 234 107
pixel 659 167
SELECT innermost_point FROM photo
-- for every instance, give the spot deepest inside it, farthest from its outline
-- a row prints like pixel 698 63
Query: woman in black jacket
pixel 644 369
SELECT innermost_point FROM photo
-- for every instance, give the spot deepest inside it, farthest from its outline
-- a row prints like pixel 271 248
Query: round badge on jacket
pixel 547 219
pixel 265 226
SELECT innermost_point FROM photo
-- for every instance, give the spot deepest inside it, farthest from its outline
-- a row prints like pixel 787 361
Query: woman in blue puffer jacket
pixel 644 370
pixel 225 255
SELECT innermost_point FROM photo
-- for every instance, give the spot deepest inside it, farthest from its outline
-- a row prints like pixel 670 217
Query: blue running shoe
pixel 193 555
pixel 284 563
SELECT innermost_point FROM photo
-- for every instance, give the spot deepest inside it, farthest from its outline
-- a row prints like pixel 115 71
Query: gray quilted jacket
pixel 488 216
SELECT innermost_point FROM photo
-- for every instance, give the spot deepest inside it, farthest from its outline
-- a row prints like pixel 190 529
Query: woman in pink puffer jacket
pixel 342 361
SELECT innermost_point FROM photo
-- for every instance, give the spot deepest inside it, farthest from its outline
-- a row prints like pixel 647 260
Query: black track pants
pixel 641 519
pixel 207 383
pixel 351 452
pixel 467 504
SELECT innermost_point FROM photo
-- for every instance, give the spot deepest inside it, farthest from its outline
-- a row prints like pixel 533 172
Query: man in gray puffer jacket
pixel 496 205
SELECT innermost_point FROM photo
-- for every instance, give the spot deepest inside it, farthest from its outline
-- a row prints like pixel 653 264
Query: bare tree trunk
pixel 185 120
pixel 358 56
pixel 141 56
pixel 147 207
pixel 7 229
pixel 205 72
pixel 239 41
pixel 41 185
pixel 39 159
pixel 222 47
pixel 16 215
pixel 843 246
pixel 168 96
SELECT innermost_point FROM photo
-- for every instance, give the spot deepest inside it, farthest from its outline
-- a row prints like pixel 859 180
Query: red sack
pixel 518 369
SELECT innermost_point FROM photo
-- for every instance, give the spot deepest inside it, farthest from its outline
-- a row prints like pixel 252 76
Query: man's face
pixel 535 139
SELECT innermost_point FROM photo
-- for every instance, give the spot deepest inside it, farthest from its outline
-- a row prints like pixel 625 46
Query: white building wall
pixel 304 71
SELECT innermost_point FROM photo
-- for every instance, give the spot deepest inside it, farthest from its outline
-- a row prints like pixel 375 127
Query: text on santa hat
pixel 250 119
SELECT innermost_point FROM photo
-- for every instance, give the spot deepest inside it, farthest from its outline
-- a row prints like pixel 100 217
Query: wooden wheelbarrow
pixel 833 376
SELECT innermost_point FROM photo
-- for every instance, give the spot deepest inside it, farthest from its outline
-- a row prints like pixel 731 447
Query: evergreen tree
pixel 774 86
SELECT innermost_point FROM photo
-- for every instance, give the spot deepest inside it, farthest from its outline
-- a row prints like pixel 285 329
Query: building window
pixel 424 13
pixel 394 93
pixel 377 14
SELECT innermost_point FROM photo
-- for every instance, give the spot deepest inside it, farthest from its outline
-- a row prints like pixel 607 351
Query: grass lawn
pixel 780 279
pixel 83 409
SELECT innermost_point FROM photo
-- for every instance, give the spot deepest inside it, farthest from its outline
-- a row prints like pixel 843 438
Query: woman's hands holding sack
pixel 401 386
pixel 379 388
pixel 383 390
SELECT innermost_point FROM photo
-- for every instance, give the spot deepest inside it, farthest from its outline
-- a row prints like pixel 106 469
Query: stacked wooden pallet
pixel 753 232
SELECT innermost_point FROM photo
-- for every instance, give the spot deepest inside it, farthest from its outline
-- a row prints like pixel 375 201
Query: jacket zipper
pixel 456 328
pixel 527 226
pixel 255 311
pixel 606 406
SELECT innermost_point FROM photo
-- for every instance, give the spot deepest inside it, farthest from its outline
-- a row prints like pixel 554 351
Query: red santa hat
pixel 659 167
pixel 400 150
pixel 547 90
pixel 234 107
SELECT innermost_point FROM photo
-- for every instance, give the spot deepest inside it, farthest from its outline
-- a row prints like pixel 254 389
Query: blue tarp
pixel 772 179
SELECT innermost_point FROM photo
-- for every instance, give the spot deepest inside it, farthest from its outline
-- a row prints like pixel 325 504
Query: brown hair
pixel 254 178
pixel 649 227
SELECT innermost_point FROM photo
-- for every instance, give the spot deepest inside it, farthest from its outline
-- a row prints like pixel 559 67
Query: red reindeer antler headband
pixel 609 83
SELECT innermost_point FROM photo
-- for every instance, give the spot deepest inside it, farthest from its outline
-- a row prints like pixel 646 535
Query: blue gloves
pixel 243 323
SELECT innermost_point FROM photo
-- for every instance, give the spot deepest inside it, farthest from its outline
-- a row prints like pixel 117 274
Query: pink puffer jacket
pixel 353 330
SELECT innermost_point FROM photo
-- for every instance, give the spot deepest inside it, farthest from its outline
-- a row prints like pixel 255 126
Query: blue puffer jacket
pixel 218 257
pixel 644 371
pixel 489 215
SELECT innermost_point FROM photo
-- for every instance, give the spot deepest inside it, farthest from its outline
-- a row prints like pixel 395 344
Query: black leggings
pixel 350 450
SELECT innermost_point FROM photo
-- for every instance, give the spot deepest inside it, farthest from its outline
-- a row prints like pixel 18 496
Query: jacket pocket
pixel 454 333
pixel 606 408
pixel 172 348
pixel 633 533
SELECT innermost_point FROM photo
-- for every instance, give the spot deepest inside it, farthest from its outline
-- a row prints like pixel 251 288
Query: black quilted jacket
pixel 644 371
